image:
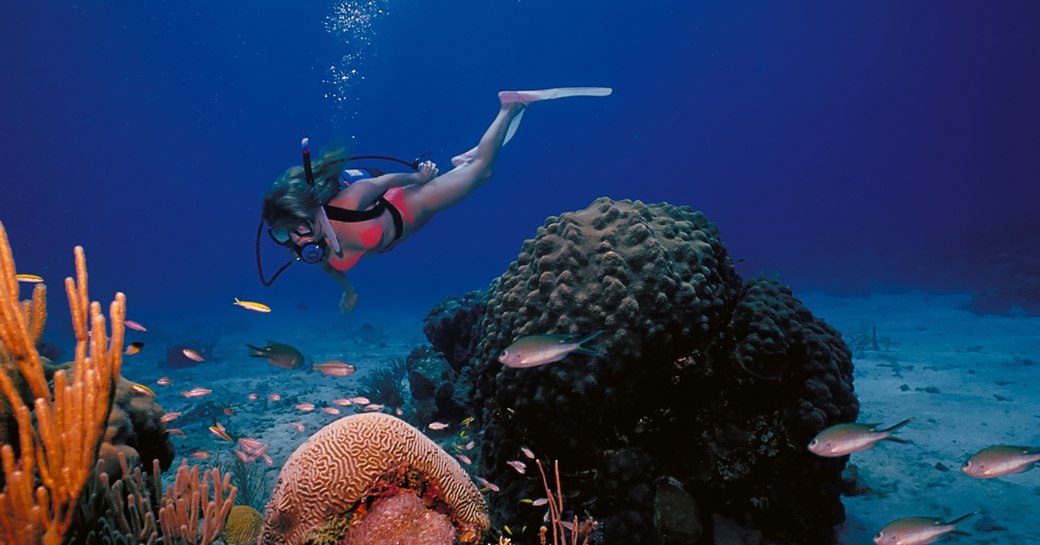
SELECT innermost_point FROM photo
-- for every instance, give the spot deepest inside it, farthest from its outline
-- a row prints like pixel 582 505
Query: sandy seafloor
pixel 969 381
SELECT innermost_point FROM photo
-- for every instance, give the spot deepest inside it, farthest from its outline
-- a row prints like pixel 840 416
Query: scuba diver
pixel 330 214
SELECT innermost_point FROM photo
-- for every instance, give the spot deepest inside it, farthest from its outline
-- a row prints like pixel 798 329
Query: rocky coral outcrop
pixel 707 381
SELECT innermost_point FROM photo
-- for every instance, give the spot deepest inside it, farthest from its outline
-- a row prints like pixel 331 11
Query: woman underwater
pixel 323 219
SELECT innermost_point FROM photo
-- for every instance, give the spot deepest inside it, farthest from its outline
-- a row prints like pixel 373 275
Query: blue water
pixel 838 146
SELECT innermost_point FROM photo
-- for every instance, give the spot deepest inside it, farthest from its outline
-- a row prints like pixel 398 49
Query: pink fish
pixel 330 410
pixel 220 432
pixel 193 355
pixel 169 417
pixel 540 502
pixel 176 431
pixel 253 396
pixel 298 427
pixel 250 445
pixel 487 484
pixel 200 455
pixel 519 466
pixel 373 407
pixel 305 407
pixel 334 368
pixel 243 456
pixel 274 397
pixel 464 459
pixel 164 381
pixel 360 400
pixel 399 412
pixel 342 402
pixel 437 426
pixel 134 325
pixel 197 392
pixel 267 459
pixel 470 445
pixel 527 452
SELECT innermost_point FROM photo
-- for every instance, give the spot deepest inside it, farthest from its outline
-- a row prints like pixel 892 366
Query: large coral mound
pixel 708 380
pixel 331 472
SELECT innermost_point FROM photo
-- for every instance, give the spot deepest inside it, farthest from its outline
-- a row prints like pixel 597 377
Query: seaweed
pixel 386 384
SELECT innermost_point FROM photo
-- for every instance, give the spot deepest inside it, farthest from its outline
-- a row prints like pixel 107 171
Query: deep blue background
pixel 844 146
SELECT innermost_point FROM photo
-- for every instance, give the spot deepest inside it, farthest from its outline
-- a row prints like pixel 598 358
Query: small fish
pixel 220 432
pixel 330 410
pixel 373 407
pixel 164 381
pixel 274 397
pixel 342 402
pixel 540 502
pixel 463 435
pixel 244 457
pixel 200 455
pixel 250 445
pixel 467 421
pixel 267 459
pixel 918 530
pixel 28 278
pixel 229 411
pixel 169 417
pixel 535 350
pixel 334 368
pixel 133 348
pixel 193 355
pixel 842 439
pixel 507 530
pixel 252 305
pixel 527 452
pixel 305 407
pixel 298 427
pixel 1001 460
pixel 197 392
pixel 176 431
pixel 399 411
pixel 487 484
pixel 526 500
pixel 519 466
pixel 278 355
pixel 464 459
pixel 253 396
pixel 134 325
pixel 437 426
pixel 360 400
pixel 142 389
pixel 470 445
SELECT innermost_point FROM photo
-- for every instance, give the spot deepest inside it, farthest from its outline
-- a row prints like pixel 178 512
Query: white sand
pixel 937 344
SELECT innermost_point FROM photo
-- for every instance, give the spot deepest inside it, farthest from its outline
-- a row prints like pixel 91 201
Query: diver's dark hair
pixel 291 201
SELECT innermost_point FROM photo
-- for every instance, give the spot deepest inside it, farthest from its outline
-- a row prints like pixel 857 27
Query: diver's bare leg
pixel 454 185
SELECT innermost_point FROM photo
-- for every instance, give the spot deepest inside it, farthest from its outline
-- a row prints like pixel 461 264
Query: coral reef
pixel 243 525
pixel 135 430
pixel 53 462
pixel 432 383
pixel 189 515
pixel 709 381
pixel 335 473
pixel 450 326
pixel 402 519
pixel 385 385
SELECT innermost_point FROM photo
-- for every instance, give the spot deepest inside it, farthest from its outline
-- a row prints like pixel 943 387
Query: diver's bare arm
pixel 339 276
pixel 367 191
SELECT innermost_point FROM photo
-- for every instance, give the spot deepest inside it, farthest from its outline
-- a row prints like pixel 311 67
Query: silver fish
pixel 843 439
pixel 535 350
pixel 918 530
pixel 1001 460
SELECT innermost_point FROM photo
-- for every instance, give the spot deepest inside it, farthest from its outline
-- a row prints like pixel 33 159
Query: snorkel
pixel 323 219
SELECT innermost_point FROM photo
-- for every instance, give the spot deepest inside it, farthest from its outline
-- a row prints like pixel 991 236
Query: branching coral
pixel 188 515
pixel 54 459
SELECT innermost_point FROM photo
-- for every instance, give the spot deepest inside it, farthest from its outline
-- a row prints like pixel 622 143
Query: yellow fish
pixel 142 389
pixel 252 305
pixel 29 278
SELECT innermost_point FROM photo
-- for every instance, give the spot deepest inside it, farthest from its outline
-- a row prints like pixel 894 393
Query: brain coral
pixel 243 525
pixel 330 473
